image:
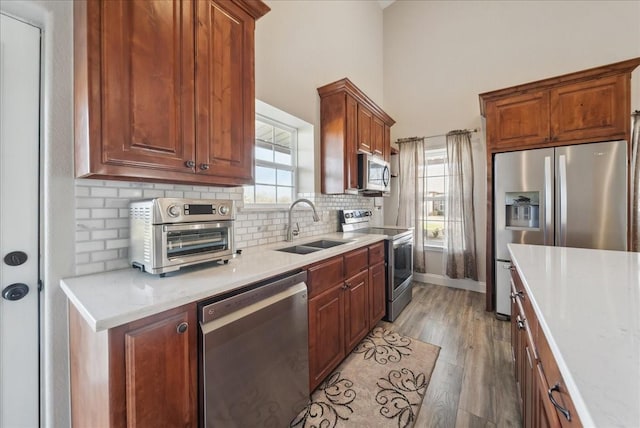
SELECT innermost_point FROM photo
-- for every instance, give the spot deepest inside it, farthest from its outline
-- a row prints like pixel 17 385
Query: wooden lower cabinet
pixel 326 334
pixel 136 375
pixel 537 375
pixel 356 309
pixel 377 292
pixel 344 305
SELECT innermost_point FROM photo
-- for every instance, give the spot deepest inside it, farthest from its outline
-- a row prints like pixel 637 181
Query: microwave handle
pixel 386 174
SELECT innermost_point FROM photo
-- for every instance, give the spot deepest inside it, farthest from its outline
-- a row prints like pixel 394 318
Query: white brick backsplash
pixel 152 193
pixel 104 192
pixel 117 243
pixel 102 218
pixel 85 247
pixel 90 202
pixel 100 256
pixel 130 193
pixel 104 213
pixel 104 234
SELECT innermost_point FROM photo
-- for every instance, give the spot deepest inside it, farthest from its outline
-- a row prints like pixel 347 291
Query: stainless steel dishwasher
pixel 254 359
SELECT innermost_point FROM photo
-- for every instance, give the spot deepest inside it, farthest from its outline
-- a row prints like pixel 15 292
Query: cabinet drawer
pixel 376 253
pixel 551 378
pixel 523 298
pixel 324 275
pixel 356 261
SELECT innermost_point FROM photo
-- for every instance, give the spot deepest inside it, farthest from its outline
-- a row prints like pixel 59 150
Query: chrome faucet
pixel 290 232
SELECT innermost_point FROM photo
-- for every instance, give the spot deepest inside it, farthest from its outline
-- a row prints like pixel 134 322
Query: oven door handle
pixel 196 226
pixel 402 241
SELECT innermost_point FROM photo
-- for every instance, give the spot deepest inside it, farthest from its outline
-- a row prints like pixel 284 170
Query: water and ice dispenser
pixel 522 210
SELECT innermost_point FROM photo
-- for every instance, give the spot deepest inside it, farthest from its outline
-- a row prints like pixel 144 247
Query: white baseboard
pixel 465 284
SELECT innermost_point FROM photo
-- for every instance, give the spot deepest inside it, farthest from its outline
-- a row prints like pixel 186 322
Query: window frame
pixel 441 200
pixel 293 168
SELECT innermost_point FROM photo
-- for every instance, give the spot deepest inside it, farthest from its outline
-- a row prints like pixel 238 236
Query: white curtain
pixel 635 183
pixel 459 210
pixel 411 204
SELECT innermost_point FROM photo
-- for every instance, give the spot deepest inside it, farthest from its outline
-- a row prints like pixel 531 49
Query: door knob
pixel 15 258
pixel 15 291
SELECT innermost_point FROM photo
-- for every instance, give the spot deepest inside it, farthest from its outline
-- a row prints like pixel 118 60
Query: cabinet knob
pixel 182 327
pixel 189 164
pixel 557 405
pixel 520 324
pixel 344 287
pixel 204 166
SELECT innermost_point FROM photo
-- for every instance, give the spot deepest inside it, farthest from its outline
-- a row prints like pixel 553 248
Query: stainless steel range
pixel 398 250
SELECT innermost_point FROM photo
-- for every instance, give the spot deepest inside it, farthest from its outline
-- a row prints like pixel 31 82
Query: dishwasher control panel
pixel 234 301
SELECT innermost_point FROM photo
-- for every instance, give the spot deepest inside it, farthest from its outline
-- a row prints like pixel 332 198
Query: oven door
pixel 196 242
pixel 400 266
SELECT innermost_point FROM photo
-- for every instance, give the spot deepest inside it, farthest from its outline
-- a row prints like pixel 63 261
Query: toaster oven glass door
pixel 197 239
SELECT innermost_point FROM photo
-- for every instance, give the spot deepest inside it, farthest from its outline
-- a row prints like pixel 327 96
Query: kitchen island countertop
pixel 113 298
pixel 588 306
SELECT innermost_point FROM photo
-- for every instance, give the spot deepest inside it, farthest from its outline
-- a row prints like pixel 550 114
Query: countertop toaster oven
pixel 169 233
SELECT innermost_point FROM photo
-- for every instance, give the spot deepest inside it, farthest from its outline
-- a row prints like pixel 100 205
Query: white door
pixel 19 205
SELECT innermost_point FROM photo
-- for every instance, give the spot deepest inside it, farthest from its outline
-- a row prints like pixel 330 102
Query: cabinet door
pixel 326 334
pixel 592 110
pixel 356 309
pixel 225 92
pixel 145 97
pixel 386 143
pixel 377 136
pixel 364 129
pixel 160 371
pixel 351 144
pixel 377 293
pixel 518 121
pixel 546 415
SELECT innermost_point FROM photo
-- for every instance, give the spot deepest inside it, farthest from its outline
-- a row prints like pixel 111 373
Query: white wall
pixel 438 56
pixel 302 45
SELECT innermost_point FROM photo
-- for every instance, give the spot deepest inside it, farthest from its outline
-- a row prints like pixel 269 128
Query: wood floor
pixel 473 384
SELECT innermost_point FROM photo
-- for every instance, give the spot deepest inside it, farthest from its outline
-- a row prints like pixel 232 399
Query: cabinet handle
pixel 344 287
pixel 189 164
pixel 204 166
pixel 182 327
pixel 557 405
pixel 519 294
pixel 520 323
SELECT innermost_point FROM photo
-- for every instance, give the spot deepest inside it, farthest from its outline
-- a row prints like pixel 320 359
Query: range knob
pixel 223 209
pixel 173 211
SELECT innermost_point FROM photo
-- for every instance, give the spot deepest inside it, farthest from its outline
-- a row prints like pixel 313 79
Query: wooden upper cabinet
pixel 582 107
pixel 377 137
pixel 164 90
pixel 519 120
pixel 145 94
pixel 349 123
pixel 365 117
pixel 225 101
pixel 588 110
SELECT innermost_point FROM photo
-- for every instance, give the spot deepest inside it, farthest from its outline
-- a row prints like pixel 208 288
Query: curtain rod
pixel 411 139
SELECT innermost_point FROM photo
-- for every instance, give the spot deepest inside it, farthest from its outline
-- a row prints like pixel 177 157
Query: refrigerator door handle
pixel 547 200
pixel 562 178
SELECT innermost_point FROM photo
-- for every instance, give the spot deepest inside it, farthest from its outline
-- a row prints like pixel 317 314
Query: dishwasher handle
pixel 228 303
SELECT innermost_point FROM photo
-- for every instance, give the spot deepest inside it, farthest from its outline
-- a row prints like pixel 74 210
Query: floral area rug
pixel 381 384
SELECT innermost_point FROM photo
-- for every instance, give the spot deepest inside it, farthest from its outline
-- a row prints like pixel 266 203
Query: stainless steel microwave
pixel 374 175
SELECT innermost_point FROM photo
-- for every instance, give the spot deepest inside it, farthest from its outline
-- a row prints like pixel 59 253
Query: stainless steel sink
pixel 299 249
pixel 324 243
pixel 311 247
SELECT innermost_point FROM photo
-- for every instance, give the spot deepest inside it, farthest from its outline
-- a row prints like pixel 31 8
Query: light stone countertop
pixel 588 306
pixel 110 299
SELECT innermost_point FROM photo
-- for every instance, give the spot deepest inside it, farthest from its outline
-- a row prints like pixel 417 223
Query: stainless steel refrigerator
pixel 570 196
